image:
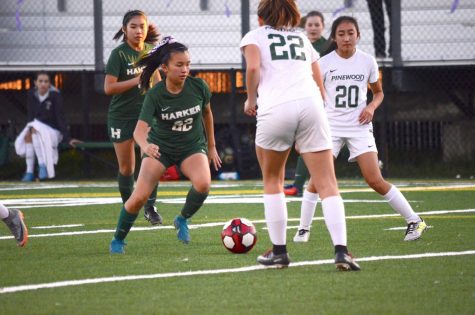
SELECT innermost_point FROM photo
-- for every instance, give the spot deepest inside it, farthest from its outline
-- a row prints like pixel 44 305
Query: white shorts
pixel 356 145
pixel 303 121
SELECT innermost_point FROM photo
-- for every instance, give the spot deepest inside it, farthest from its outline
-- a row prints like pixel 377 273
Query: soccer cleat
pixel 414 230
pixel 182 227
pixel 270 259
pixel 42 172
pixel 17 226
pixel 151 215
pixel 117 246
pixel 346 262
pixel 302 236
pixel 28 177
pixel 291 190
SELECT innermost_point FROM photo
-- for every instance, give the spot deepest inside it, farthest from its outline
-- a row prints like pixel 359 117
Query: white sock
pixel 30 158
pixel 307 209
pixel 3 212
pixel 334 214
pixel 276 218
pixel 37 146
pixel 399 203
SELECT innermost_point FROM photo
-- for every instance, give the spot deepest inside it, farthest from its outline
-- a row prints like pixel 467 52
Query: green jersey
pixel 178 117
pixel 126 105
pixel 320 45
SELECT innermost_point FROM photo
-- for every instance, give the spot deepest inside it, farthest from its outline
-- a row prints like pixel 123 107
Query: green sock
pixel 126 186
pixel 301 174
pixel 153 197
pixel 194 201
pixel 126 220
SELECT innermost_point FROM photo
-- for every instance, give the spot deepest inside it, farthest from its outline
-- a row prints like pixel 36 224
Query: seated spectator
pixel 45 129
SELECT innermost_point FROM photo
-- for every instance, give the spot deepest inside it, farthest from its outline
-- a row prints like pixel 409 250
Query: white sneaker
pixel 414 230
pixel 302 236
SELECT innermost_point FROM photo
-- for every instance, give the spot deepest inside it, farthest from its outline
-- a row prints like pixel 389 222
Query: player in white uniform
pixel 282 69
pixel 346 73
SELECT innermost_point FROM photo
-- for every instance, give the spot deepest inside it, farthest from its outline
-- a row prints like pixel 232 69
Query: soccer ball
pixel 239 235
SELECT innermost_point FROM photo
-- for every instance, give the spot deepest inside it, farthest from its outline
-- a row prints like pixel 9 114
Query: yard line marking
pixel 213 224
pixel 56 226
pixel 101 185
pixel 50 285
pixel 256 190
pixel 75 202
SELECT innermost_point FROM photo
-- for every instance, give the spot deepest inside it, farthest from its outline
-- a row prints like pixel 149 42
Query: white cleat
pixel 414 230
pixel 302 236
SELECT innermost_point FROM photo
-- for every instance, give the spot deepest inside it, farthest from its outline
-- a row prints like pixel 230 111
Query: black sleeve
pixel 60 120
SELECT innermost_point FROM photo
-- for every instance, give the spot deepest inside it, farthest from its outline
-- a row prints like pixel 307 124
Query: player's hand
pixel 152 150
pixel 366 116
pixel 250 108
pixel 213 157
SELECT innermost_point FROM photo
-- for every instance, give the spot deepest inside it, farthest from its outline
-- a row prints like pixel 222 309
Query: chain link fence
pixel 428 73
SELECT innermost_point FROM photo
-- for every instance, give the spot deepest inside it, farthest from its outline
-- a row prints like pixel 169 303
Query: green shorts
pixel 176 159
pixel 121 130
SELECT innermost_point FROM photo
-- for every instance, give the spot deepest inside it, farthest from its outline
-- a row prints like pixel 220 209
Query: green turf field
pixel 66 267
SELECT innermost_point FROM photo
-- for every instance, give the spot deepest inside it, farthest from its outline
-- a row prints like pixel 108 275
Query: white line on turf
pixel 50 285
pixel 213 224
pixel 56 226
pixel 31 203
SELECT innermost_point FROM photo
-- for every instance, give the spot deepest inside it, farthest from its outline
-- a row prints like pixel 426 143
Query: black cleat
pixel 152 216
pixel 270 259
pixel 346 262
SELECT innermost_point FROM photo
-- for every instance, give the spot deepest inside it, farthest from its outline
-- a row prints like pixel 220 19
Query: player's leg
pixel 321 168
pixel 301 176
pixel 150 172
pixel 368 163
pixel 38 147
pixel 307 211
pixel 150 211
pixel 272 164
pixel 125 153
pixel 310 200
pixel 196 168
pixel 13 218
pixel 29 158
pixel 275 136
pixel 315 143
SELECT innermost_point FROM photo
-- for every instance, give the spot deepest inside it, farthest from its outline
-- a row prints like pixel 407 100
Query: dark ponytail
pixel 156 57
pixel 152 32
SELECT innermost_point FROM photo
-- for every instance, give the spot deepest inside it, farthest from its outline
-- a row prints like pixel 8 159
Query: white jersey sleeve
pixel 346 83
pixel 286 65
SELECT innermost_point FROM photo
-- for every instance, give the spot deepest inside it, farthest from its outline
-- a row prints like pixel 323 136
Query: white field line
pixel 38 186
pixel 32 287
pixel 75 202
pixel 56 226
pixel 213 224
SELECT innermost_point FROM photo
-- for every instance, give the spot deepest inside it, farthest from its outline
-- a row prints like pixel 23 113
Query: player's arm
pixel 317 76
pixel 208 120
pixel 367 114
pixel 112 86
pixel 253 65
pixel 140 136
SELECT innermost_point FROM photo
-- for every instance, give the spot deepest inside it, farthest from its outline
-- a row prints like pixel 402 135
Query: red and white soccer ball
pixel 239 235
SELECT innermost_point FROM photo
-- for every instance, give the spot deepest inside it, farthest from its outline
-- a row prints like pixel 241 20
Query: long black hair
pixel 338 21
pixel 156 57
pixel 152 32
